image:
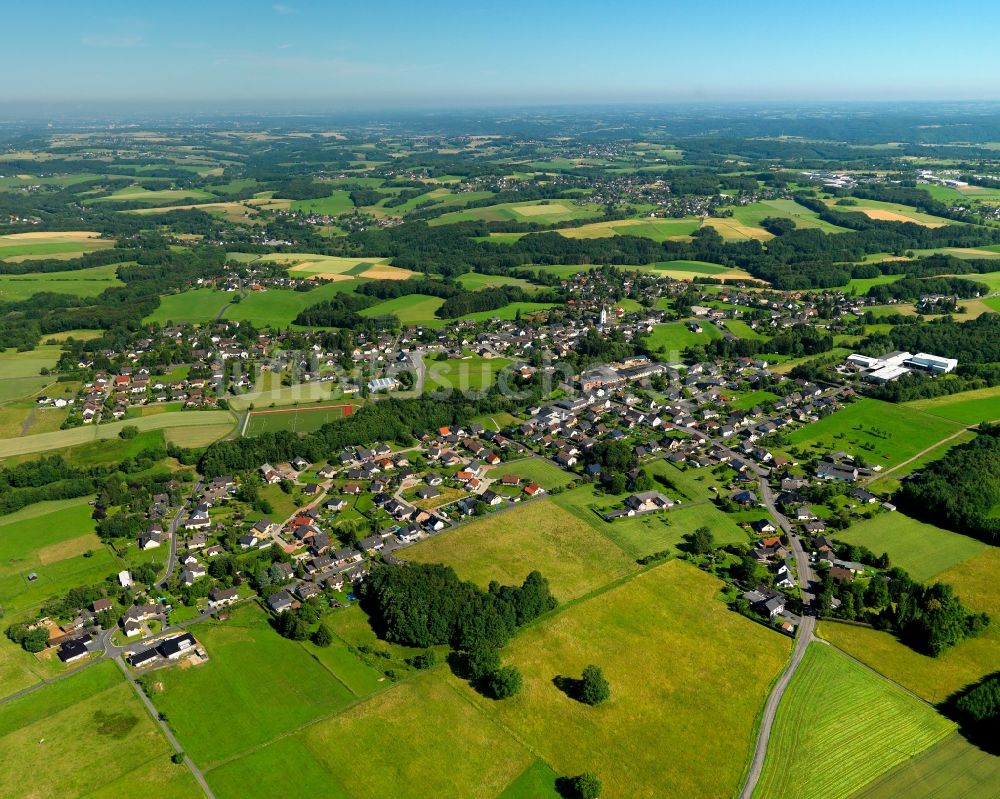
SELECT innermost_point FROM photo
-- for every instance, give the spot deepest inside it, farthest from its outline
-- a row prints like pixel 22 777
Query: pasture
pixel 475 281
pixel 510 311
pixel 672 338
pixel 655 229
pixel 58 733
pixel 544 212
pixel 879 432
pixel 195 306
pixel 75 436
pixel 139 194
pixel 689 270
pixel 753 214
pixel 60 244
pixel 410 309
pixel 507 545
pixel 934 679
pixel 636 633
pixel 967 407
pixel 276 308
pixel 537 470
pixel 835 711
pixel 922 549
pixel 298 420
pixel 472 373
pixel 731 229
pixel 893 212
pixel 256 686
pixel 196 436
pixel 82 283
pixel 951 769
pixel 336 204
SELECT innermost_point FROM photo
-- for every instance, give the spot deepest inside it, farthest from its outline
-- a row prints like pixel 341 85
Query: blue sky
pixel 385 53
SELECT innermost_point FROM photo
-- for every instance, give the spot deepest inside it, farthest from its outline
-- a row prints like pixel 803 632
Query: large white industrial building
pixel 896 364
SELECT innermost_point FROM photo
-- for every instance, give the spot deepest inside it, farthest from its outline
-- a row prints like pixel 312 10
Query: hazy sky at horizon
pixel 442 52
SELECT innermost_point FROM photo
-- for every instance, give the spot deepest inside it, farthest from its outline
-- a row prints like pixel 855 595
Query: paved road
pixel 166 730
pixel 172 530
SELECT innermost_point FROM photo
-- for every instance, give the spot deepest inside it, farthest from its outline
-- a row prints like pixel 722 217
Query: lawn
pixel 537 470
pixel 922 549
pixel 58 733
pixel 506 546
pixel 90 433
pixel 880 432
pixel 951 769
pixel 303 420
pixel 196 307
pixel 967 407
pixel 81 282
pixel 652 532
pixel 682 668
pixel 839 726
pixel 672 338
pixel 465 374
pixel 256 686
pixel 935 679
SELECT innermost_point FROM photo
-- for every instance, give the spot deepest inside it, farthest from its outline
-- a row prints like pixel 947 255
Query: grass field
pixel 256 685
pixel 277 308
pixel 731 229
pixel 951 769
pixel 466 374
pixel 336 204
pixel 754 213
pixel 537 470
pixel 546 212
pixel 880 432
pixel 967 407
pixel 837 712
pixel 653 532
pixel 142 195
pixel 510 311
pixel 475 281
pixel 894 212
pixel 672 338
pixel 412 309
pixel 655 229
pixel 82 283
pixel 195 436
pixel 65 244
pixel 303 420
pixel 741 329
pixel 60 732
pixel 81 435
pixel 635 633
pixel 195 307
pixel 571 555
pixel 49 539
pixel 922 549
pixel 935 679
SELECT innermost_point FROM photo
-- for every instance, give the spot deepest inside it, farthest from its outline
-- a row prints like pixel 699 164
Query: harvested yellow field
pixel 894 216
pixel 731 229
pixel 542 210
pixel 69 548
pixel 58 235
pixel 387 272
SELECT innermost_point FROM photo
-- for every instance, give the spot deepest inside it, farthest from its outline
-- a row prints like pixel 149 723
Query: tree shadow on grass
pixel 572 687
pixel 978 732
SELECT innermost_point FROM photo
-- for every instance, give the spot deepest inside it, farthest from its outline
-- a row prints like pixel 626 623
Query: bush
pixel 128 432
pixel 582 786
pixel 505 682
pixel 322 636
pixel 177 757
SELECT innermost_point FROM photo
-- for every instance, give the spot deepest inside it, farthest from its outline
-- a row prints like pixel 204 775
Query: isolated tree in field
pixel 128 432
pixel 582 786
pixel 701 541
pixel 322 636
pixel 505 682
pixel 594 688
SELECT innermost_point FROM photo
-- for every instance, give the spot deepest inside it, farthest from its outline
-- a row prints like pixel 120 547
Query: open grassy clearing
pixel 935 679
pixel 967 407
pixel 143 195
pixel 690 270
pixel 510 311
pixel 82 282
pixel 330 267
pixel 197 436
pixel 679 663
pixel 951 769
pixel 336 204
pixel 272 394
pixel 537 470
pixel 82 435
pixel 276 308
pixel 58 733
pixel 257 685
pixel 890 483
pixel 467 374
pixel 922 549
pixel 196 307
pixel 835 711
pixel 655 229
pixel 25 418
pixel 475 281
pixel 545 212
pixel 411 309
pixel 304 420
pixel 880 432
pixel 14 364
pixel 652 532
pixel 892 212
pixel 21 246
pixel 754 213
pixel 731 229
pixel 537 535
pixel 672 338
